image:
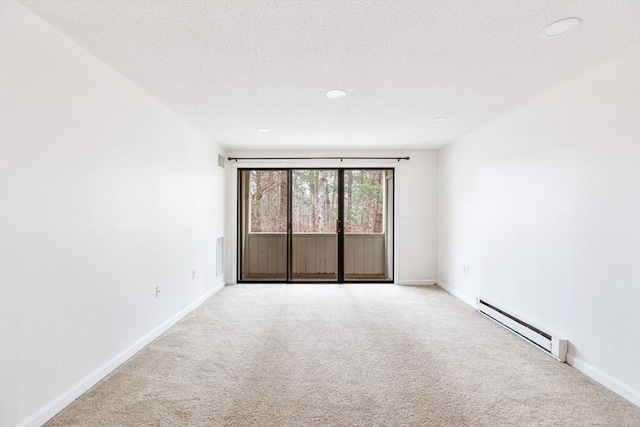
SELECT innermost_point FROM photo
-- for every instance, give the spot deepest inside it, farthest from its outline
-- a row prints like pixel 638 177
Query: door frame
pixel 289 243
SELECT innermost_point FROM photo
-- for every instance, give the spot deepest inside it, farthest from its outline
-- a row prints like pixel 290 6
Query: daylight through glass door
pixel 315 225
pixel 262 231
pixel 314 243
pixel 368 214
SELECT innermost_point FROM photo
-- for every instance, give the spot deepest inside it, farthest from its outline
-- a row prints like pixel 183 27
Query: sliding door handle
pixel 338 226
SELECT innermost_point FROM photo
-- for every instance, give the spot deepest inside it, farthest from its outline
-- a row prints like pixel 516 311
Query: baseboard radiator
pixel 550 344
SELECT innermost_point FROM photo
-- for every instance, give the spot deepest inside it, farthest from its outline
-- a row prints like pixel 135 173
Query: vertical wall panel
pixel 262 254
pixel 358 255
pixel 310 242
pixel 332 253
pixel 272 253
pixel 367 254
pixel 348 254
pixel 282 253
pixel 378 255
pixel 253 254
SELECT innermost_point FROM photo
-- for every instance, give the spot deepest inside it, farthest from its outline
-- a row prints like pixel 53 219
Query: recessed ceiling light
pixel 559 28
pixel 336 93
pixel 263 130
pixel 441 119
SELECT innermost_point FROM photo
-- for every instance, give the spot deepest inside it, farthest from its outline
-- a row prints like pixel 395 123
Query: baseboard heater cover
pixel 549 343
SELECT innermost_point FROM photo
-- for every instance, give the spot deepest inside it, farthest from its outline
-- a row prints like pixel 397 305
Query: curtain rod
pixel 341 158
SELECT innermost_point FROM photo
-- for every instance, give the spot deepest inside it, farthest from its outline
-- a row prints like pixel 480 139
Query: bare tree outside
pixel 268 193
pixel 315 201
pixel 363 201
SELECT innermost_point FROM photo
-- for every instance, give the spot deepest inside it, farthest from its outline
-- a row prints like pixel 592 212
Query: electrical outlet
pixel 158 290
pixel 466 270
pixel 193 275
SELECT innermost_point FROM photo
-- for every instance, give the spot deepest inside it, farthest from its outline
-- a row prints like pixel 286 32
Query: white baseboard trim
pixel 462 297
pixel 596 374
pixel 606 380
pixel 65 399
pixel 416 282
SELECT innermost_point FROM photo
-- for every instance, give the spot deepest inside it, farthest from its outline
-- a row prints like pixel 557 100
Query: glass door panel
pixel 368 214
pixel 315 225
pixel 263 225
pixel 314 216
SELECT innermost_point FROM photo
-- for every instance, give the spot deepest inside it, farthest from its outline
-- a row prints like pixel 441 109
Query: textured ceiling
pixel 230 67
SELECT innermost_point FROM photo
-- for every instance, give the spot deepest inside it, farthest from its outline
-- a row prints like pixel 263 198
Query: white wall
pixel 543 205
pixel 416 214
pixel 105 194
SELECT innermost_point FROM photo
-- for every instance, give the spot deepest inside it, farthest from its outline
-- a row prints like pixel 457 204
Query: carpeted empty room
pixel 319 213
pixel 343 355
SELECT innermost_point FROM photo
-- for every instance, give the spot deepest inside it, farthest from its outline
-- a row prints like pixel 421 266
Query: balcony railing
pixel 314 254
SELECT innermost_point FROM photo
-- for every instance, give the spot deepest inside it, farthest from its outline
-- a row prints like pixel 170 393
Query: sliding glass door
pixel 367 210
pixel 314 213
pixel 315 225
pixel 262 225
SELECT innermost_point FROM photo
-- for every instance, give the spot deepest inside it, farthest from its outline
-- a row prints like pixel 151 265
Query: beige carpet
pixel 343 355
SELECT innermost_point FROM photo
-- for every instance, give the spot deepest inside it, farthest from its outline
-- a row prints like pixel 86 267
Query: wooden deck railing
pixel 265 254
